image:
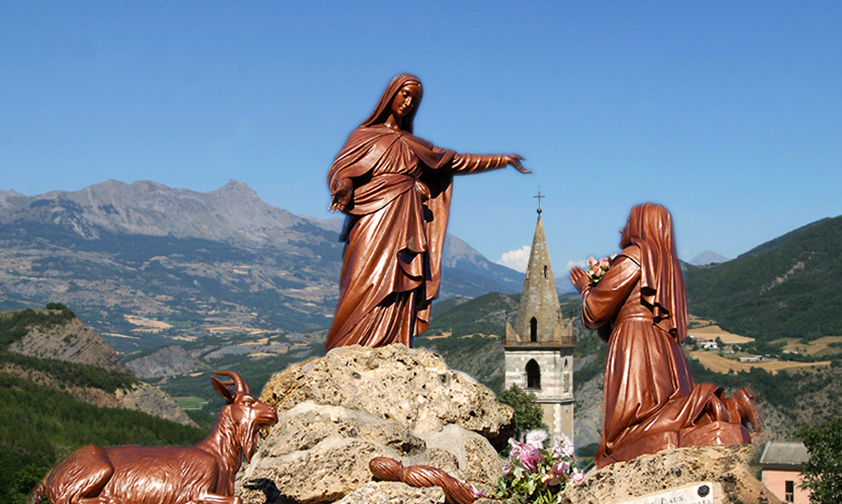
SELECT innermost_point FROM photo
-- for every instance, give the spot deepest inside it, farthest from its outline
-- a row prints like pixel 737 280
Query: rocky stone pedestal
pixel 336 413
pixel 726 470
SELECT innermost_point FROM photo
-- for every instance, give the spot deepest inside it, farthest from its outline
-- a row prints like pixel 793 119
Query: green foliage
pixel 787 288
pixel 538 474
pixel 15 325
pixel 588 348
pixel 587 452
pixel 528 413
pixel 485 314
pixel 80 375
pixel 39 426
pixel 823 471
pixel 60 307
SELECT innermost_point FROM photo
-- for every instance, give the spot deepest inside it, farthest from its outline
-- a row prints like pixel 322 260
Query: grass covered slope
pixel 790 287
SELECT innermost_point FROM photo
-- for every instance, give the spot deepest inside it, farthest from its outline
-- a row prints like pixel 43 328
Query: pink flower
pixel 604 263
pixel 559 468
pixel 475 492
pixel 592 261
pixel 530 457
pixel 507 468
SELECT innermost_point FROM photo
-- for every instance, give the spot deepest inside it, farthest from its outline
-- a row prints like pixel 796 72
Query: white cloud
pixel 517 259
pixel 582 264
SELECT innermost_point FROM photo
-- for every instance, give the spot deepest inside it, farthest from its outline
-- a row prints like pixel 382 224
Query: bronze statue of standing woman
pixel 394 189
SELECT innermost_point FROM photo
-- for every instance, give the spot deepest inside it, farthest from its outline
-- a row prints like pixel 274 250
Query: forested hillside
pixel 790 287
pixel 41 422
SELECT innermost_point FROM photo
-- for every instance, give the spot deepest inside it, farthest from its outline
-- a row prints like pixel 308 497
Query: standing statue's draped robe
pixel 394 232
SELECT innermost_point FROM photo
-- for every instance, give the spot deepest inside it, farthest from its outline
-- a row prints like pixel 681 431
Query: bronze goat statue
pixel 199 474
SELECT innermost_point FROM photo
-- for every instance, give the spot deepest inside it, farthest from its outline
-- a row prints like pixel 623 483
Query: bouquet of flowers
pixel 535 474
pixel 597 268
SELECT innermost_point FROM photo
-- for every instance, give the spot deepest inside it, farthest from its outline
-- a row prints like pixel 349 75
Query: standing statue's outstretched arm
pixel 469 163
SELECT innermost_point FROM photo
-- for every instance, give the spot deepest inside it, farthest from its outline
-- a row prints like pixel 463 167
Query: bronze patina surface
pixel 203 473
pixel 651 401
pixel 395 190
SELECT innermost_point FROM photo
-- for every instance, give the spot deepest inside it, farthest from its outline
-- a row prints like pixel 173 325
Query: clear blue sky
pixel 728 113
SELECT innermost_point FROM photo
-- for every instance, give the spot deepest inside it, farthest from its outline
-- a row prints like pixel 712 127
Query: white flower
pixel 563 446
pixel 536 438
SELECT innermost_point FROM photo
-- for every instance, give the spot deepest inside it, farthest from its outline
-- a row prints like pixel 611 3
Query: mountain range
pixel 144 263
pixel 707 257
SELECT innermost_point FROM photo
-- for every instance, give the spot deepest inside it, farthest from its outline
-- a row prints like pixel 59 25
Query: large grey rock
pixel 726 468
pixel 411 386
pixel 389 492
pixel 336 413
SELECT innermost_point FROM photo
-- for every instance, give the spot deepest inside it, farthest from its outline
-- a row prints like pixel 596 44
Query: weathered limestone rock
pixel 412 386
pixel 337 412
pixel 727 468
pixel 389 492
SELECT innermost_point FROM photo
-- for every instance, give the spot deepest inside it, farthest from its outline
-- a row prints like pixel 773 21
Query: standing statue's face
pixel 405 100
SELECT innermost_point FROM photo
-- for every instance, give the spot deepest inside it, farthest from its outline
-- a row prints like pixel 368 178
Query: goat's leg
pixel 80 478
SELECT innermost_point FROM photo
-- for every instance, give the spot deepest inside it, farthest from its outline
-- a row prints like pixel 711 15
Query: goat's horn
pixel 236 380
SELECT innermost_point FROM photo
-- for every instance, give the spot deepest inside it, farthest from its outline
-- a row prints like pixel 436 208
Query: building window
pixel 790 491
pixel 545 271
pixel 533 329
pixel 533 375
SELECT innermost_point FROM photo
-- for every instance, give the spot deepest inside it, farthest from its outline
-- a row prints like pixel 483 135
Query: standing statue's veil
pixel 381 110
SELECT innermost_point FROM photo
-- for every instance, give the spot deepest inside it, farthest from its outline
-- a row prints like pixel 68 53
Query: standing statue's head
pixel 650 227
pixel 400 99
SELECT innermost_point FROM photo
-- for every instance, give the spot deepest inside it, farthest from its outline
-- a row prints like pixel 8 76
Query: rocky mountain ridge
pixel 165 362
pixel 69 340
pixel 72 341
pixel 707 257
pixel 143 263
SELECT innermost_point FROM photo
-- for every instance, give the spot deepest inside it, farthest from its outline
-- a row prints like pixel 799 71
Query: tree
pixel 823 471
pixel 528 413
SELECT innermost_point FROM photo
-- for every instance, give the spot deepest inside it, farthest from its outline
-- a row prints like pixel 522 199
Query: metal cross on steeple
pixel 539 197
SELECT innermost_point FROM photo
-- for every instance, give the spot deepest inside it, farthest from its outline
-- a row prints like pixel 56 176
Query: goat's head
pixel 246 413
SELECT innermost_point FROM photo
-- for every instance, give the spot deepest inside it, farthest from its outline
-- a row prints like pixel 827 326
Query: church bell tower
pixel 539 346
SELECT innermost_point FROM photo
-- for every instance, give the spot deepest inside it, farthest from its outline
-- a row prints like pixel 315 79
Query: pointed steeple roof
pixel 539 320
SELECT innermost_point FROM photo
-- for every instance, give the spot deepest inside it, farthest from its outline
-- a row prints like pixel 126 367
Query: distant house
pixel 704 343
pixel 780 466
pixel 708 345
pixel 751 358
